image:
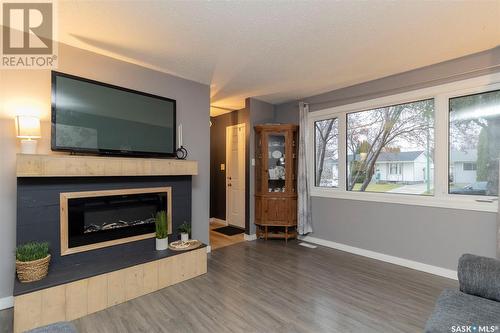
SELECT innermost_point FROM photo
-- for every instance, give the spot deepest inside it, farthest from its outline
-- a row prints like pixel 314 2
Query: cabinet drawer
pixel 275 210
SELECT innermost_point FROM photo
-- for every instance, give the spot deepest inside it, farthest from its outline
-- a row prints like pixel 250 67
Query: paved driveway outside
pixel 410 189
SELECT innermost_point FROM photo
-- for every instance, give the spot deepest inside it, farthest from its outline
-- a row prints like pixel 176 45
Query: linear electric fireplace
pixel 96 219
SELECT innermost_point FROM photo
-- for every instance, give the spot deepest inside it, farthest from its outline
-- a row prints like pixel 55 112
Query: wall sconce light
pixel 27 129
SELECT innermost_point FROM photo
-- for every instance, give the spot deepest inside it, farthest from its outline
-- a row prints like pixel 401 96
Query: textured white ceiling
pixel 283 50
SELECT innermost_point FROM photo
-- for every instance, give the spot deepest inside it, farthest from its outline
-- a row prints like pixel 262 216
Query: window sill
pixel 450 202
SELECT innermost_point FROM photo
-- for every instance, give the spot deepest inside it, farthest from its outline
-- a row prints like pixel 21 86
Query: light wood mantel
pixel 57 165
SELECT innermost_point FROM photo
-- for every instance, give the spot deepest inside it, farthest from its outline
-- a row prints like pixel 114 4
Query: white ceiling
pixel 282 50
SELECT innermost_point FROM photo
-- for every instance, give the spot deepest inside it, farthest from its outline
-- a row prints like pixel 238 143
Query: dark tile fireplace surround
pixel 38 219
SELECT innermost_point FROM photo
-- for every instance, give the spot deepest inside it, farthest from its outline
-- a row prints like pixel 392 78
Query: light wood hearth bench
pixel 72 300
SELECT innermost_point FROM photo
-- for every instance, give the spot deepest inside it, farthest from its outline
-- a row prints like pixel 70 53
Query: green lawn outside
pixel 377 187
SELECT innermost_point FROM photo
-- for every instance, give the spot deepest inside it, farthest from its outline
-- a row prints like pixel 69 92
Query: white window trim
pixel 441 94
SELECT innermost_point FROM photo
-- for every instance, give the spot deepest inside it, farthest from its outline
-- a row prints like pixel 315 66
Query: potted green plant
pixel 185 230
pixel 32 261
pixel 161 223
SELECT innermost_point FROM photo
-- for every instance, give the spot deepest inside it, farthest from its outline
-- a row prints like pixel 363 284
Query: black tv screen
pixel 95 117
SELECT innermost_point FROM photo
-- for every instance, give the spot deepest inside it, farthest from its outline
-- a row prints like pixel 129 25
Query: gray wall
pixel 32 88
pixel 287 114
pixel 260 113
pixel 433 236
pixel 477 64
pixel 8 197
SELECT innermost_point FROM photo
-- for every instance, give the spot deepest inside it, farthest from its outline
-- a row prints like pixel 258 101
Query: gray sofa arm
pixel 479 276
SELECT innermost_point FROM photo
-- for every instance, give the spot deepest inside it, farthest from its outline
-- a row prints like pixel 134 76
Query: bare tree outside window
pixel 401 135
pixel 474 144
pixel 326 152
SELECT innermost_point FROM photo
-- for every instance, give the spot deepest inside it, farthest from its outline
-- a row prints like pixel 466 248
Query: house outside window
pixel 389 147
pixel 440 144
pixel 474 144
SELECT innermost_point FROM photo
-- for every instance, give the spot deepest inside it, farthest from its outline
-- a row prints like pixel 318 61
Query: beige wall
pixel 29 92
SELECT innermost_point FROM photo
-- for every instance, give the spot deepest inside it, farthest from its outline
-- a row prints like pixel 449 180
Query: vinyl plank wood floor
pixel 218 240
pixel 267 286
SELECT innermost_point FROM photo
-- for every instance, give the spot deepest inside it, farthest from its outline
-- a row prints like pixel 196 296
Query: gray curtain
pixel 304 221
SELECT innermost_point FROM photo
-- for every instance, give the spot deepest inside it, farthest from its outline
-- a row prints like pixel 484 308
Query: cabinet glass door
pixel 276 162
pixel 258 163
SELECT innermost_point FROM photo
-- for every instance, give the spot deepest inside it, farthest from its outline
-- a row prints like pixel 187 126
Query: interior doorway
pixel 229 178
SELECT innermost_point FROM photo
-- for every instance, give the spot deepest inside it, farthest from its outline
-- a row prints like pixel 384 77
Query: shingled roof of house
pixel 467 155
pixel 403 156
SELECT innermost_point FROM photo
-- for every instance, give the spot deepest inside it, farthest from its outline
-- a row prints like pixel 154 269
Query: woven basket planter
pixel 31 271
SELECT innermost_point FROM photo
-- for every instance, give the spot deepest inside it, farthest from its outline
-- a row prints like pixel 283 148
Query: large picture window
pixel 437 146
pixel 326 153
pixel 390 149
pixel 474 144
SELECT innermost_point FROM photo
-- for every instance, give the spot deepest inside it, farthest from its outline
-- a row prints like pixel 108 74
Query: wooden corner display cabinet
pixel 276 153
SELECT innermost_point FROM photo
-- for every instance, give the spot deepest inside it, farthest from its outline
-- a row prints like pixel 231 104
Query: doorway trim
pixel 242 158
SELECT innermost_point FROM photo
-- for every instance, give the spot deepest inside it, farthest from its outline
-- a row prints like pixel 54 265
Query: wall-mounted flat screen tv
pixel 99 118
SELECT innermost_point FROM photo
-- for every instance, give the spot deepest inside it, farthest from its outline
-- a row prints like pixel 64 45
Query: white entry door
pixel 235 175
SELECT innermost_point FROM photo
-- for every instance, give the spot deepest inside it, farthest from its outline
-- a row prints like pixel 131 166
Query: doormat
pixel 229 230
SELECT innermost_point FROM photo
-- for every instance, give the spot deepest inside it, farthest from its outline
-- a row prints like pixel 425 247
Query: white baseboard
pixel 6 302
pixel 209 249
pixel 444 272
pixel 250 238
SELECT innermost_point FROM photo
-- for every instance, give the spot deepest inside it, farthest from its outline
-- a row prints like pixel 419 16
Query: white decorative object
pixel 27 129
pixel 180 135
pixel 161 244
pixel 279 172
pixel 184 236
pixel 276 154
pixel 28 146
pixel 182 246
